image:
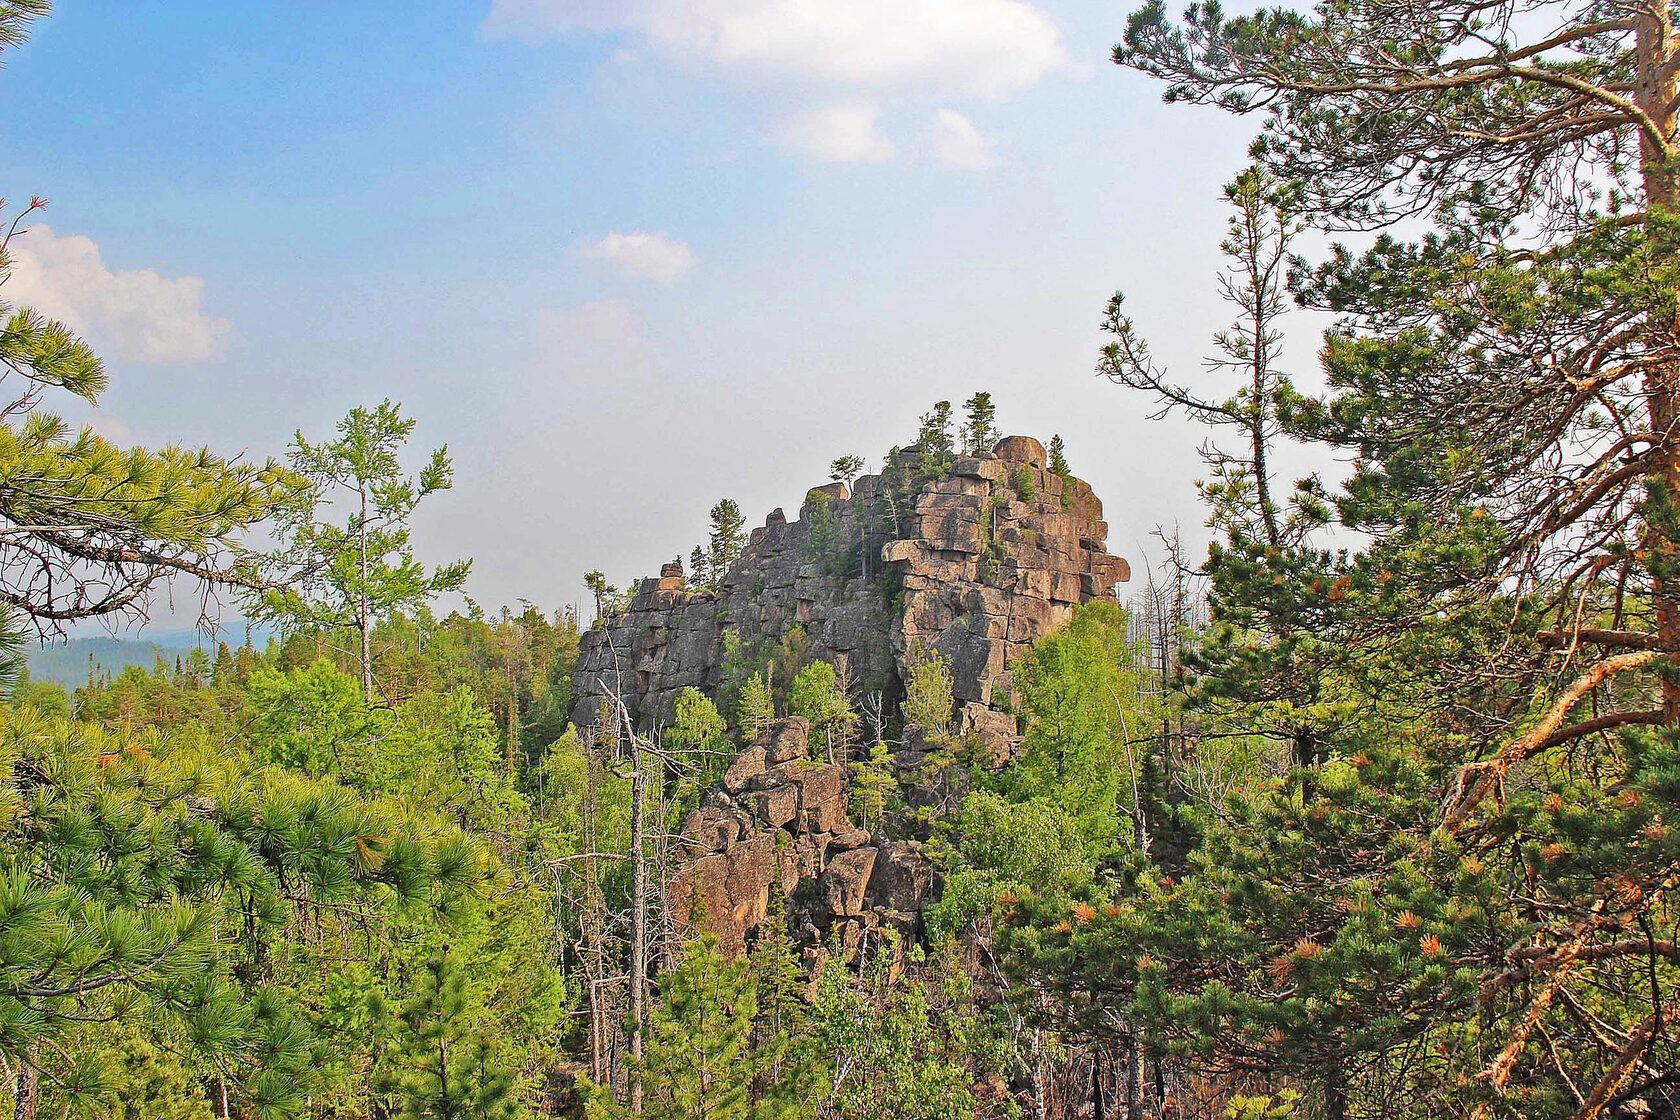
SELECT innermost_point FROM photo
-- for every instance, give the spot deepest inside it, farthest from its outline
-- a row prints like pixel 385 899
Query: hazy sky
pixel 623 257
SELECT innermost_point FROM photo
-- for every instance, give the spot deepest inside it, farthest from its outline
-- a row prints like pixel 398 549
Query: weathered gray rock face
pixel 990 559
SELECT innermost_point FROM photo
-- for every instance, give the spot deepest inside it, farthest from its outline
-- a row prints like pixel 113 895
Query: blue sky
pixel 624 258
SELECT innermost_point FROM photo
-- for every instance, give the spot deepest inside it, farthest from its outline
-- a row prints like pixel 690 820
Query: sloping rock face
pixel 989 559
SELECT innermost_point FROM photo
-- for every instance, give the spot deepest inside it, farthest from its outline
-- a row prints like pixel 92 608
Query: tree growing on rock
pixel 979 431
pixel 603 591
pixel 936 442
pixel 1058 457
pixel 819 696
pixel 726 538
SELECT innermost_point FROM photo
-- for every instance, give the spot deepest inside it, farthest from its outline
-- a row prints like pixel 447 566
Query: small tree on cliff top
pixel 727 537
pixel 979 431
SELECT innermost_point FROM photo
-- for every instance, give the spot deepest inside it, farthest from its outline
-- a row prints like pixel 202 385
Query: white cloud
pixel 843 133
pixel 639 256
pixel 857 54
pixel 982 48
pixel 134 314
pixel 957 142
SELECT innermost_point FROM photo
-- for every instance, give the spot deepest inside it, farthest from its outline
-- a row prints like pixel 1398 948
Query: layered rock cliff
pixel 986 561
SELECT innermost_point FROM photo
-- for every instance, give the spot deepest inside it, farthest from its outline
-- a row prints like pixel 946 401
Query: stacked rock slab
pixel 778 819
pixel 993 557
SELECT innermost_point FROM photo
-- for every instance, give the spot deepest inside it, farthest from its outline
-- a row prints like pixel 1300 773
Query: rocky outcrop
pixel 982 563
pixel 776 820
pixel 988 560
pixel 1003 550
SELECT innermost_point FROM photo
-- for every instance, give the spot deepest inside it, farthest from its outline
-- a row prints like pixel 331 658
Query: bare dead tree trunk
pixel 638 902
pixel 1134 1079
pixel 28 1096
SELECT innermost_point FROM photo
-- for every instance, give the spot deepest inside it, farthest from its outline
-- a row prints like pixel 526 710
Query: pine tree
pixel 845 469
pixel 979 430
pixel 603 591
pixel 90 529
pixel 1476 701
pixel 436 1066
pixel 699 1060
pixel 1058 457
pixel 935 443
pixel 727 537
pixel 121 853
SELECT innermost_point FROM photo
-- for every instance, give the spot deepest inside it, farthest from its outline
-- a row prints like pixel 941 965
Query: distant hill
pixel 68 663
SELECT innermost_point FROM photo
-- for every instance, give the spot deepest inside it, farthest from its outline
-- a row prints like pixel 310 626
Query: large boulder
pixel 845 882
pixel 1021 449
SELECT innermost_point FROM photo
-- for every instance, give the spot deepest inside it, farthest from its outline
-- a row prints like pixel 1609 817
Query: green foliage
pixel 349 578
pixel 312 720
pixel 827 544
pixel 146 1084
pixel 1024 486
pixel 895 1050
pixel 845 469
pixel 699 735
pixel 727 536
pixel 1281 1107
pixel 1088 724
pixel 154 888
pixel 698 1062
pixel 874 785
pixel 757 710
pixel 935 444
pixel 818 696
pixel 696 725
pixel 606 594
pixel 1058 457
pixel 91 527
pixel 979 431
pixel 435 1065
pixel 928 698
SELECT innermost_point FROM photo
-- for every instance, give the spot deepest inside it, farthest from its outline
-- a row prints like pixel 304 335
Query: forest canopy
pixel 1370 812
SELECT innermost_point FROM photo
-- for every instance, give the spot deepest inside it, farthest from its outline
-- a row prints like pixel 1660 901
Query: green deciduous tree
pixel 757 710
pixel 818 695
pixel 351 577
